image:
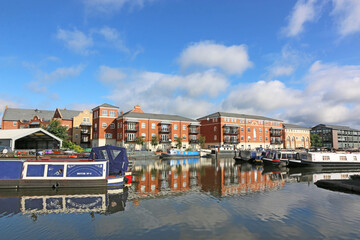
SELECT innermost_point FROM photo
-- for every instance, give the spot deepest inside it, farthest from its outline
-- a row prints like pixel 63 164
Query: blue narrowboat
pixel 106 166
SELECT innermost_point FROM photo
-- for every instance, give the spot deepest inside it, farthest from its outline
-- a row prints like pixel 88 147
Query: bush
pixel 72 146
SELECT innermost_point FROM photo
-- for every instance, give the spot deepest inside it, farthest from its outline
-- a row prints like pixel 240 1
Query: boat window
pixel 343 158
pixel 326 158
pixel 104 155
pixel 115 153
pixel 355 158
pixel 283 156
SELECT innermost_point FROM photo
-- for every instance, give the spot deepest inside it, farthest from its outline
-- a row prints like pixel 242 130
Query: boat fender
pixel 126 179
pixel 55 185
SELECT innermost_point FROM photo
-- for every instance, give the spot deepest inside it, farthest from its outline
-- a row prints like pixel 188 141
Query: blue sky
pixel 297 61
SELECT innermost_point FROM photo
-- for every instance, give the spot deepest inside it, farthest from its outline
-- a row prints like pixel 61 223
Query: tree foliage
pixel 178 142
pixel 154 141
pixel 55 128
pixel 202 141
pixel 315 140
pixel 72 146
pixel 139 140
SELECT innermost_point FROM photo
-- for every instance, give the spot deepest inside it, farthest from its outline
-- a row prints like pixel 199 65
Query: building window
pixel 153 125
pixel 260 138
pixel 242 138
pixel 143 135
pixel 175 127
pixel 118 125
pixel 143 125
pixel 104 112
pixel 76 135
pixel 242 129
pixel 248 121
pixel 120 135
pixel 14 123
pixel 153 135
pixel 112 113
pixel 215 137
pixel 108 135
pixel 249 138
pixel 175 136
pixel 266 138
pixel 112 126
pixel 184 127
pixel 249 129
pixel 131 136
pixel 215 129
pixel 266 130
pixel 104 125
pixel 121 125
pixel 95 127
pixel 260 130
pixel 184 136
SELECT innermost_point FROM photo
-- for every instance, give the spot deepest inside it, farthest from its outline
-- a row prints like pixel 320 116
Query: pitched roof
pixel 293 126
pixel 20 133
pixel 14 114
pixel 105 105
pixel 69 114
pixel 157 116
pixel 238 115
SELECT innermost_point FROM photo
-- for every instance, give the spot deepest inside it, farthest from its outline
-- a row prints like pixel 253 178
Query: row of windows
pixel 249 130
pixel 143 135
pixel 234 120
pixel 242 138
pixel 131 125
pixel 105 113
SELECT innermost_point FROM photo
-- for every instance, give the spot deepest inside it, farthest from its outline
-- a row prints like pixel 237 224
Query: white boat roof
pixel 15 134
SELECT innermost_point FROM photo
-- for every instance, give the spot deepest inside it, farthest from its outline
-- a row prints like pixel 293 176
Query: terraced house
pixel 124 129
pixel 241 130
pixel 78 123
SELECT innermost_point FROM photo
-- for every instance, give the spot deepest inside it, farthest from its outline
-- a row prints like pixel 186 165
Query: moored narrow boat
pixel 180 154
pixel 327 160
pixel 107 167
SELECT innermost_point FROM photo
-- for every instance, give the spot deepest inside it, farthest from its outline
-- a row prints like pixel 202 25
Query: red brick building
pixel 242 131
pixel 166 128
pixel 104 125
pixel 18 118
pixel 122 130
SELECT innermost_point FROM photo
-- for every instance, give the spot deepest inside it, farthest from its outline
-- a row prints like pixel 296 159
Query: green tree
pixel 315 140
pixel 154 141
pixel 72 146
pixel 178 142
pixel 55 128
pixel 139 140
pixel 202 141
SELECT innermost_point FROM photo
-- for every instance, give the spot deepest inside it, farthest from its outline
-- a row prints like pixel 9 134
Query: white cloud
pixel 261 97
pixel 303 11
pixel 111 6
pixel 232 59
pixel 281 71
pixel 47 79
pixel 108 74
pixel 76 40
pixel 347 14
pixel 165 93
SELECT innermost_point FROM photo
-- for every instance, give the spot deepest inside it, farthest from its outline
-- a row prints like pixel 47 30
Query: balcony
pixel 194 131
pixel 231 132
pixel 85 131
pixel 276 141
pixel 165 141
pixel 85 140
pixel 194 141
pixel 130 140
pixel 164 130
pixel 131 128
pixel 231 140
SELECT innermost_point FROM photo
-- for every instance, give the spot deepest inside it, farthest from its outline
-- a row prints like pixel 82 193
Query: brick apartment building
pixel 242 131
pixel 122 130
pixel 296 136
pixel 77 122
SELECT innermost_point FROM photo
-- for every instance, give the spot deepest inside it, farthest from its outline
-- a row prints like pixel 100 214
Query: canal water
pixel 189 199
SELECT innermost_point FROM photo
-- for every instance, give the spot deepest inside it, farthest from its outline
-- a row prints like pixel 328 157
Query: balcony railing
pixel 85 140
pixel 194 131
pixel 194 141
pixel 276 142
pixel 131 128
pixel 165 141
pixel 231 132
pixel 85 131
pixel 130 140
pixel 164 130
pixel 233 141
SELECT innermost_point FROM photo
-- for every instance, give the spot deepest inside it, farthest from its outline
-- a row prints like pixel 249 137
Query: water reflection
pixel 220 177
pixel 36 202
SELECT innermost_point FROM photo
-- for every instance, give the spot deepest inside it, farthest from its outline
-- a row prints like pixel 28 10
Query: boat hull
pixel 335 165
